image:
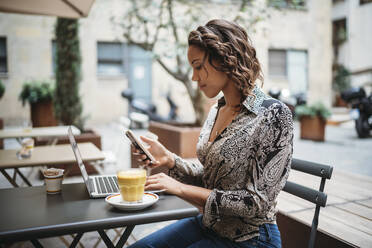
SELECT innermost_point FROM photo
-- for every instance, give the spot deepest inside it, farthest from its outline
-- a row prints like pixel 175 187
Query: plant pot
pixel 87 136
pixel 42 114
pixel 312 128
pixel 177 138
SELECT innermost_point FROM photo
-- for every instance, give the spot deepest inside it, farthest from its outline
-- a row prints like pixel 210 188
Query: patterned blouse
pixel 245 167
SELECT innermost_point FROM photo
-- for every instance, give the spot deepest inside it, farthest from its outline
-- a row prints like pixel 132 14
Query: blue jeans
pixel 191 233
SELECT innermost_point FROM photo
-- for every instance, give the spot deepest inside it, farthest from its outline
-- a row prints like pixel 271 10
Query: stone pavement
pixel 341 149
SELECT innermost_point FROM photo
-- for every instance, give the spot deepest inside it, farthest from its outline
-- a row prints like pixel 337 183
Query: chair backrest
pixel 317 197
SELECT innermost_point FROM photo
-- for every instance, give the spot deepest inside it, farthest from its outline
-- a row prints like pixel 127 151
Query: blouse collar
pixel 252 102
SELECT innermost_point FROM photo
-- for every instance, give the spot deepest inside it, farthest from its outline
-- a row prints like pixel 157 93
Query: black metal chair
pixel 317 197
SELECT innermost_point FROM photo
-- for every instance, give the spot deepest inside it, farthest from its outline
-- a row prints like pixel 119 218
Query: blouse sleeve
pixel 186 171
pixel 273 157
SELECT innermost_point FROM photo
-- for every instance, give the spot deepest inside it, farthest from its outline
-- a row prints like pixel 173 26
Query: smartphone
pixel 139 145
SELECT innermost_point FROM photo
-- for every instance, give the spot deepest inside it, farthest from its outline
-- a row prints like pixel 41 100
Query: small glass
pixel 27 126
pixel 26 149
pixel 132 184
pixel 53 178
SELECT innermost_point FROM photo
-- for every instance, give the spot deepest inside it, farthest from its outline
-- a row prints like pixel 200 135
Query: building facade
pixel 294 47
pixel 352 32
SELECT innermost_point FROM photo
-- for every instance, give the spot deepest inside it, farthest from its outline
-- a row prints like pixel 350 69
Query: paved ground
pixel 342 149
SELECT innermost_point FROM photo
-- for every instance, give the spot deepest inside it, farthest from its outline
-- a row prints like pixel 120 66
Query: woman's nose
pixel 195 77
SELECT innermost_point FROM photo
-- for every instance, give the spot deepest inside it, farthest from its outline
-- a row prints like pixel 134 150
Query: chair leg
pixel 67 244
pixel 97 242
pixel 105 239
pixel 76 240
pixel 125 236
pixel 118 232
pixel 36 243
pixel 314 227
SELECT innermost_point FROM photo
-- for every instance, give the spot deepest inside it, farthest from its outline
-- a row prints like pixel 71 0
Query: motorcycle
pixel 361 109
pixel 141 112
pixel 290 100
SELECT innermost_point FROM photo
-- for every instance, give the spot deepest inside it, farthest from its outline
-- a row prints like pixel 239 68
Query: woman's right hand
pixel 162 155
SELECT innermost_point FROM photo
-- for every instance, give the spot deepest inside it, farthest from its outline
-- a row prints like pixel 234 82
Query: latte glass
pixel 132 184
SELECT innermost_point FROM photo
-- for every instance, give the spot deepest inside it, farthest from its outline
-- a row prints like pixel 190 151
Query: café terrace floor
pixel 348 214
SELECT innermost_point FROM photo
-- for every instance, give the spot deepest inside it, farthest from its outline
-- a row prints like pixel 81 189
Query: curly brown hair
pixel 227 45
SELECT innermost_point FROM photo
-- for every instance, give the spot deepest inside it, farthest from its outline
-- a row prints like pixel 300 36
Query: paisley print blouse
pixel 246 166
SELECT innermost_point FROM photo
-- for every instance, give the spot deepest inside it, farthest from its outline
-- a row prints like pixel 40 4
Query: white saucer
pixel 117 202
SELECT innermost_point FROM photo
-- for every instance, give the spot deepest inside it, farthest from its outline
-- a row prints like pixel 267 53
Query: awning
pixel 60 8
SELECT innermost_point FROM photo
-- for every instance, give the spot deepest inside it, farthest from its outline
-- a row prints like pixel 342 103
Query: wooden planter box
pixel 312 128
pixel 87 136
pixel 42 114
pixel 180 140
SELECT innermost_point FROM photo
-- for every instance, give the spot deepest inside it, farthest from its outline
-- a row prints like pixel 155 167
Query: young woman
pixel 245 150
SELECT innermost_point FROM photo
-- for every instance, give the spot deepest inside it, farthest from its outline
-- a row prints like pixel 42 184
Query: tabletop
pixel 37 132
pixel 50 155
pixel 29 213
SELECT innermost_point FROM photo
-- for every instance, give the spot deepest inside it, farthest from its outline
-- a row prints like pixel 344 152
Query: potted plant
pixel 39 94
pixel 313 120
pixel 341 82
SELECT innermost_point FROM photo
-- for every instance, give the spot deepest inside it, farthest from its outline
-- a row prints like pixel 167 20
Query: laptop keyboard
pixel 106 184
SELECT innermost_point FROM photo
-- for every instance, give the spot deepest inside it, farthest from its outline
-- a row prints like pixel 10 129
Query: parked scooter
pixel 141 112
pixel 361 109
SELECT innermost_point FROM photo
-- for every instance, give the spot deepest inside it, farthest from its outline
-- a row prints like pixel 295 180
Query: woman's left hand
pixel 163 181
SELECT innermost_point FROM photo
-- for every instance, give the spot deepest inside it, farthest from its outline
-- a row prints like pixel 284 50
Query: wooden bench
pixel 295 232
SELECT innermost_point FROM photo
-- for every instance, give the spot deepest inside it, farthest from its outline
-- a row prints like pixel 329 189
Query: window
pixel 3 56
pixel 291 66
pixel 339 32
pixel 364 1
pixel 293 4
pixel 110 58
pixel 54 56
pixel 277 63
pixel 337 1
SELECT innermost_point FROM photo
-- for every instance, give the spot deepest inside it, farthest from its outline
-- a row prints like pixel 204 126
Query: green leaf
pixel 316 109
pixel 36 91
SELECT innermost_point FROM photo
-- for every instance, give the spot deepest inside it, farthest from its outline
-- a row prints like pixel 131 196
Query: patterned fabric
pixel 245 167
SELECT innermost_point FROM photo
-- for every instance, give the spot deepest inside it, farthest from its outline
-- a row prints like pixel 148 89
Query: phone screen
pixel 139 145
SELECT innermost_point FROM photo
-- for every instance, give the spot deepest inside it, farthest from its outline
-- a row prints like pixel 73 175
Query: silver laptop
pixel 98 186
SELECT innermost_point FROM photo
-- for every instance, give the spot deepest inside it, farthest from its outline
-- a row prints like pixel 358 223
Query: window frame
pixel 277 76
pixel 288 4
pixel 54 56
pixel 122 61
pixel 362 2
pixel 338 26
pixel 5 57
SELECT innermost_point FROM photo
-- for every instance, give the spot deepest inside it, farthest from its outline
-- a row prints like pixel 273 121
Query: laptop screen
pixel 76 151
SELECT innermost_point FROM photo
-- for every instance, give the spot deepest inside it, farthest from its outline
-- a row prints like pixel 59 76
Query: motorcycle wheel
pixel 362 127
